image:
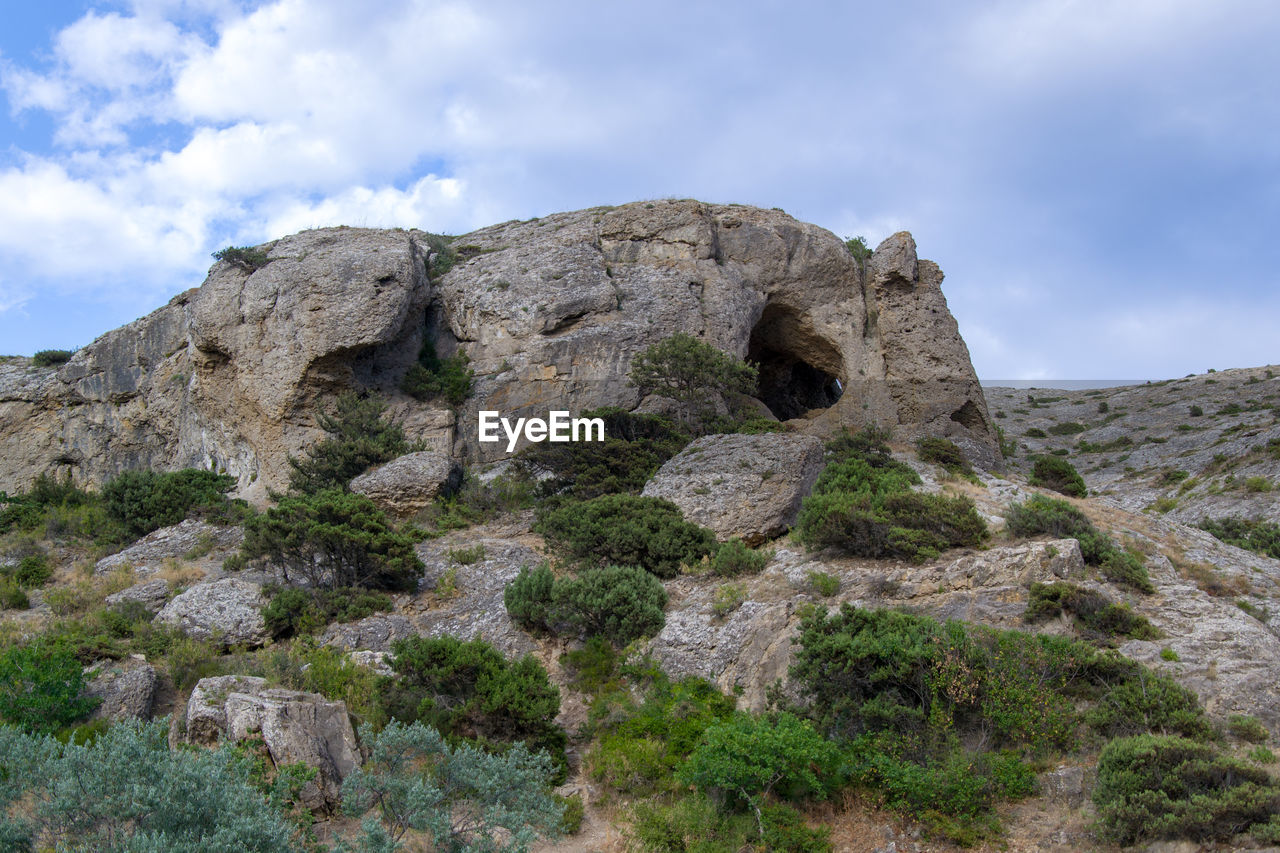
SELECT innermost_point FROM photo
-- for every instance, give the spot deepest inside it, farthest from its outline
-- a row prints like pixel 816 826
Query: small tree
pixel 1054 472
pixel 691 372
pixel 143 501
pixel 359 438
pixel 40 687
pixel 333 539
pixel 619 603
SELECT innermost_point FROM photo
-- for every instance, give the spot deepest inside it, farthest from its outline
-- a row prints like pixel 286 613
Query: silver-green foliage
pixel 127 791
pixel 459 795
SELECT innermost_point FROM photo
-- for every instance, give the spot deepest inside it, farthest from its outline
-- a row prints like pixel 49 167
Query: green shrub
pixel 32 570
pixel 41 686
pixel 823 583
pixel 1196 411
pixel 358 438
pixel 728 597
pixel 626 530
pixel 1153 787
pixel 1060 519
pixel 247 258
pixel 619 603
pixel 1149 702
pixel 294 611
pixel 1035 432
pixel 1262 537
pixel 692 372
pixel 529 597
pixel 1169 654
pixel 466 556
pixel 1093 613
pixel 1247 728
pixel 942 452
pixel 51 357
pixel 1054 472
pixel 469 690
pixel 13 596
pixel 143 501
pixel 333 539
pixel 434 377
pixel 734 558
pixel 1103 407
pixel 1069 428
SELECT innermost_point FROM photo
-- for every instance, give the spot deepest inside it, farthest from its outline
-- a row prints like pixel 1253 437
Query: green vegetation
pixel 143 501
pixel 1035 432
pixel 858 247
pixel 463 798
pixel 734 558
pixel 863 505
pixel 823 583
pixel 1058 518
pixel 625 530
pixel 615 603
pixel 40 687
pixel 942 452
pixel 359 438
pixel 433 377
pixel 1196 411
pixel 1153 787
pixel 1262 537
pixel 691 372
pixel 247 258
pixel 332 539
pixel 469 690
pixel 1094 614
pixel 51 357
pixel 1054 472
pixel 1247 728
pixel 292 611
pixel 635 446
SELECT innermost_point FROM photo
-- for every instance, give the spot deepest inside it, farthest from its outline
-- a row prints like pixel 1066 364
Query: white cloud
pixel 430 200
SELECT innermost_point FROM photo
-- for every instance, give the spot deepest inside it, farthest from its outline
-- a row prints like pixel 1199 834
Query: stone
pixel 744 486
pixel 1064 783
pixel 296 727
pixel 150 594
pixel 193 541
pixel 373 633
pixel 127 689
pixel 409 484
pixel 228 611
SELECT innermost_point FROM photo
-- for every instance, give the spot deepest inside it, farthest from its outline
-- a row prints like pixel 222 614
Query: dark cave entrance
pixel 799 370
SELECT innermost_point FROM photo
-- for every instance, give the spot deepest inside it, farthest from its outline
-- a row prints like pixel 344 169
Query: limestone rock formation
pixel 127 689
pixel 410 483
pixel 748 486
pixel 373 633
pixel 296 727
pixel 152 595
pixel 230 376
pixel 228 611
pixel 189 540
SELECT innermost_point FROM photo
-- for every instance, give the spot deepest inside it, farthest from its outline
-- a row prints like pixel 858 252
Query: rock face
pixel 150 594
pixel 410 483
pixel 227 610
pixel 373 633
pixel 748 486
pixel 191 539
pixel 230 376
pixel 296 727
pixel 127 689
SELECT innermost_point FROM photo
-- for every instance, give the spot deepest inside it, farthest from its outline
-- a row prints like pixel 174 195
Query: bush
pixel 626 530
pixel 1035 432
pixel 942 452
pixel 294 611
pixel 143 501
pixel 51 357
pixel 1093 613
pixel 32 570
pixel 1149 702
pixel 619 603
pixel 41 686
pixel 1060 519
pixel 528 598
pixel 1262 537
pixel 469 690
pixel 1247 728
pixel 734 558
pixel 728 597
pixel 359 438
pixel 1196 411
pixel 333 539
pixel 1168 787
pixel 1054 472
pixel 126 790
pixel 1069 428
pixel 434 377
pixel 691 372
pixel 247 258
pixel 13 596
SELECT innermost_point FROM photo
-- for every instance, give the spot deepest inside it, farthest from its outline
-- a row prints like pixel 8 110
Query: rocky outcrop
pixel 194 541
pixel 127 689
pixel 745 486
pixel 295 727
pixel 409 484
pixel 230 376
pixel 152 595
pixel 373 633
pixel 227 611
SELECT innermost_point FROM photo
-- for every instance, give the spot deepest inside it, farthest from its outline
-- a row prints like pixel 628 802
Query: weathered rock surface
pixel 296 727
pixel 150 594
pixel 410 483
pixel 230 375
pixel 206 545
pixel 127 689
pixel 748 486
pixel 228 611
pixel 373 633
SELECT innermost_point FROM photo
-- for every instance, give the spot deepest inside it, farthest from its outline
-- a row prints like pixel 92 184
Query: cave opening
pixel 799 369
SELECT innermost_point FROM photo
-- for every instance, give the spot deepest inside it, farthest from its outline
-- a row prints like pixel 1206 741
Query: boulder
pixel 745 486
pixel 150 594
pixel 295 727
pixel 191 540
pixel 127 689
pixel 409 484
pixel 373 633
pixel 228 611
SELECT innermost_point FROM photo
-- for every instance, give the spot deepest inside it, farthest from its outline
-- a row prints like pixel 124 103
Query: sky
pixel 1099 180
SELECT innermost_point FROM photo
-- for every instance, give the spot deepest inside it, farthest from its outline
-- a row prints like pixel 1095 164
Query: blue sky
pixel 1099 180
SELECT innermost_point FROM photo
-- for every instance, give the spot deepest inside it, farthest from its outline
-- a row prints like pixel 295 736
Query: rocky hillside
pixel 229 376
